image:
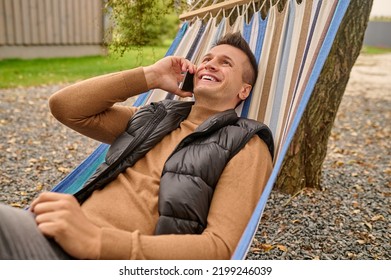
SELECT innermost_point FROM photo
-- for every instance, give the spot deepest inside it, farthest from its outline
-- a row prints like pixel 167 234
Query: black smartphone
pixel 187 83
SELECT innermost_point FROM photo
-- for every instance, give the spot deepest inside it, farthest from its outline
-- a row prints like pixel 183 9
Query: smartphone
pixel 187 83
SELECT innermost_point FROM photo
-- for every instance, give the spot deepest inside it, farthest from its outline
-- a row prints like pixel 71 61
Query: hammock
pixel 290 46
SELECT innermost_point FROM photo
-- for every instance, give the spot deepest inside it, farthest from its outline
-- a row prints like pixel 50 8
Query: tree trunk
pixel 302 166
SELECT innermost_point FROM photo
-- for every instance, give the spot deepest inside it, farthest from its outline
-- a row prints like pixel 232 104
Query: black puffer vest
pixel 191 172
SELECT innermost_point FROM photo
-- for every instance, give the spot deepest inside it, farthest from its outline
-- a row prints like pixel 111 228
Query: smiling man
pixel 180 180
pixel 225 76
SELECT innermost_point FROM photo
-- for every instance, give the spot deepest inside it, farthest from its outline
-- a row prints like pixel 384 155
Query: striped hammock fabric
pixel 290 46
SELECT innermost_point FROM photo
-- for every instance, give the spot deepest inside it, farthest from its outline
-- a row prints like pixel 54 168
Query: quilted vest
pixel 191 172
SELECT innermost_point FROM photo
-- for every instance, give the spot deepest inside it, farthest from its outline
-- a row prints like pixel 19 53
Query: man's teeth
pixel 209 78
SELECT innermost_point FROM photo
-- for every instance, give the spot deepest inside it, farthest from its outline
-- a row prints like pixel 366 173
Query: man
pixel 180 181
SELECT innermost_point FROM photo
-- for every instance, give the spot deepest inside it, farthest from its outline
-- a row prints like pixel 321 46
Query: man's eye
pixel 206 59
pixel 226 62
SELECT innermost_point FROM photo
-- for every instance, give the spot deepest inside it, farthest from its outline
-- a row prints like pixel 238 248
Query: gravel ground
pixel 348 219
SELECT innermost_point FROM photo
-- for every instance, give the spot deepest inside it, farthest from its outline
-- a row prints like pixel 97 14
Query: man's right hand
pixel 167 73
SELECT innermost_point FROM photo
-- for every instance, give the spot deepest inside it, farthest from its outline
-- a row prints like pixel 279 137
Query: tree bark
pixel 302 166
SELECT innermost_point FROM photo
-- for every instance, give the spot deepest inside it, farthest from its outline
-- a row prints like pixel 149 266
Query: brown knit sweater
pixel 127 209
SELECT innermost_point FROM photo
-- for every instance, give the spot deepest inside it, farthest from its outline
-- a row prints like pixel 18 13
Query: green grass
pixel 375 50
pixel 35 72
pixel 380 18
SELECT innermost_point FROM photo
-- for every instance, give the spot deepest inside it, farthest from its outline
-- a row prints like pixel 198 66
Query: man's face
pixel 218 81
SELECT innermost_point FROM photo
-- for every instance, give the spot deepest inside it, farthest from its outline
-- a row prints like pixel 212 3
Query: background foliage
pixel 141 22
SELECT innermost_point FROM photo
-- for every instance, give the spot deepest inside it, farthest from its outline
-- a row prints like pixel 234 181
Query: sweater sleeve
pixel 88 107
pixel 234 200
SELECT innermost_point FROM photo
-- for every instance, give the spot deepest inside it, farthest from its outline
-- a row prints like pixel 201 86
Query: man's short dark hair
pixel 236 40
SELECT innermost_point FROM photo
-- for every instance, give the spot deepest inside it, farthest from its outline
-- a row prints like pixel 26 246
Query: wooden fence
pixel 378 34
pixel 39 28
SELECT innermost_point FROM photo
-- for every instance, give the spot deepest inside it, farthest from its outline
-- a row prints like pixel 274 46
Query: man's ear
pixel 245 92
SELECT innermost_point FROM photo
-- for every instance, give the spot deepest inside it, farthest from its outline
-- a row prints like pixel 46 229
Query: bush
pixel 140 23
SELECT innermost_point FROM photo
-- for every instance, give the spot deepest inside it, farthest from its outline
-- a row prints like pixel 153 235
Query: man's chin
pixel 202 93
pixel 206 89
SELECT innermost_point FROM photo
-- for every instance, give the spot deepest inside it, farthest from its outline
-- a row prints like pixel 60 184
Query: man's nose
pixel 211 65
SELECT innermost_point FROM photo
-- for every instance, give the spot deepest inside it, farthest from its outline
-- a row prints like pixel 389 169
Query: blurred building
pixel 378 33
pixel 51 28
pixel 64 28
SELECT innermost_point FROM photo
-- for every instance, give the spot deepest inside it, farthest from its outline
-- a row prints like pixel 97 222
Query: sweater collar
pixel 205 117
pixel 200 114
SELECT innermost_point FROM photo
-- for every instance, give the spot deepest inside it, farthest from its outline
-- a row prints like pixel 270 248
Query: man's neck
pixel 200 113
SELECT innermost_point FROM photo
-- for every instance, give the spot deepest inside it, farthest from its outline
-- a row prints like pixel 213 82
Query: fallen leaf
pixel 63 169
pixel 33 160
pixel 16 204
pixel 377 218
pixel 358 188
pixel 266 247
pixel 282 248
pixel 255 250
pixel 72 147
pixel 39 187
pixel 355 204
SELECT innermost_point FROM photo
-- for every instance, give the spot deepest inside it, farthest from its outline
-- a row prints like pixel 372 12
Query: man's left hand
pixel 60 216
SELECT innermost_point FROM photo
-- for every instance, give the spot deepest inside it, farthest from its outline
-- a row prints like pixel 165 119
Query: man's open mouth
pixel 208 78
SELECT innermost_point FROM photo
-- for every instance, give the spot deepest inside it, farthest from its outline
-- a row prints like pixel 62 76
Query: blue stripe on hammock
pixel 74 180
pixel 252 227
